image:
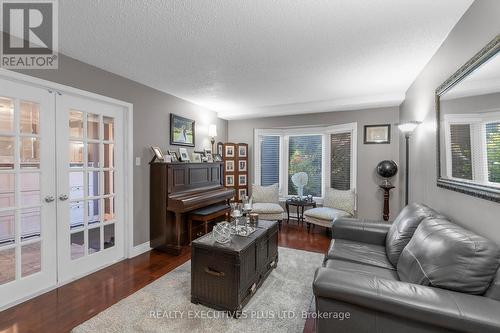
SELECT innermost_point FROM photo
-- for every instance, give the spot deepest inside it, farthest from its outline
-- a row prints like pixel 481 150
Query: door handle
pixel 63 197
pixel 49 198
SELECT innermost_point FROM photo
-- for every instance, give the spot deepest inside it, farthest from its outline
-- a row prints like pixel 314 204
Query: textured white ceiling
pixel 259 57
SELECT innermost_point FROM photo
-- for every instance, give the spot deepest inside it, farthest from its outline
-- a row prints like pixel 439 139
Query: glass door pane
pixel 90 222
pixel 27 174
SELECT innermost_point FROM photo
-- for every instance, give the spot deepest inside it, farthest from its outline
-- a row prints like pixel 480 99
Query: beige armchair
pixel 266 203
pixel 335 205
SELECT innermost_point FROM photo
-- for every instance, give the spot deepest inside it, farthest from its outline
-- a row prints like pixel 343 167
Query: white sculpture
pixel 300 180
pixel 222 232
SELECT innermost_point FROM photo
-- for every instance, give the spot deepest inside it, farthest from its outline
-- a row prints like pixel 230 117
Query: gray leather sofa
pixel 422 273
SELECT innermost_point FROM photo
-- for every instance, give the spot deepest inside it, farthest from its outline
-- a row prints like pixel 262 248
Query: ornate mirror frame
pixel 476 190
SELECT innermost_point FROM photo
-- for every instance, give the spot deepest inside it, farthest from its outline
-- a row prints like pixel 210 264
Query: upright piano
pixel 175 190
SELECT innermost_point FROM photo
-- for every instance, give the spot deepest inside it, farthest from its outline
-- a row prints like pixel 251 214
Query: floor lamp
pixel 407 128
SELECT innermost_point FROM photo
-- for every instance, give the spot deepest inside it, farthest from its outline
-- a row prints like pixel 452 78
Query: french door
pixel 27 177
pixel 61 188
pixel 89 185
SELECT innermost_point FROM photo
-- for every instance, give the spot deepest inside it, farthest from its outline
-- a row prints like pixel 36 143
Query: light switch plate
pixel 137 161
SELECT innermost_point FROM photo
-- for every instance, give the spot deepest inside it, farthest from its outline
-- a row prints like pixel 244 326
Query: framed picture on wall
pixel 242 180
pixel 230 180
pixel 377 134
pixel 182 131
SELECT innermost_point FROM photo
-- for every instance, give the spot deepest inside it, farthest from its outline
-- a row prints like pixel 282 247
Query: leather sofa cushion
pixel 493 291
pixel 363 253
pixel 403 227
pixel 357 268
pixel 444 255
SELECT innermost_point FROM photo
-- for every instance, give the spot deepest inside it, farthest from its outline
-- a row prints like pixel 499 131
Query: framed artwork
pixel 230 180
pixel 175 157
pixel 209 157
pixel 229 166
pixel 377 134
pixel 242 165
pixel 158 154
pixel 182 131
pixel 242 192
pixel 183 154
pixel 229 151
pixel 242 180
pixel 220 148
pixel 242 150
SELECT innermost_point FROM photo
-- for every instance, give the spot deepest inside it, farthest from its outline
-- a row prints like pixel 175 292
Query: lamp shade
pixel 212 131
pixel 409 126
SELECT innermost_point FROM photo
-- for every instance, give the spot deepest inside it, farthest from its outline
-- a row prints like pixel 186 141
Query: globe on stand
pixel 387 169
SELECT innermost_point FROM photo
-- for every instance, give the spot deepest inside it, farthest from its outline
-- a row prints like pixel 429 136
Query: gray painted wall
pixel 370 198
pixel 151 121
pixel 478 26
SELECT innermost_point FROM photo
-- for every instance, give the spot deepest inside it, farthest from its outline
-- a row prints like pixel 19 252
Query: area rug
pixel 280 305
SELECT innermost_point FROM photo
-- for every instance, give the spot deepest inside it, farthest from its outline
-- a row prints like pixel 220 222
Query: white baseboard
pixel 139 249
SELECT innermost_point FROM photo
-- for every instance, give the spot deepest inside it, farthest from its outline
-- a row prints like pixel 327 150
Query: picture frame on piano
pixel 183 155
pixel 175 157
pixel 158 155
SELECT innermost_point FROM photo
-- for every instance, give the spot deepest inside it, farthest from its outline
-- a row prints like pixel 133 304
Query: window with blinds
pixel 269 160
pixel 473 150
pixel 340 164
pixel 493 151
pixel 461 151
pixel 305 155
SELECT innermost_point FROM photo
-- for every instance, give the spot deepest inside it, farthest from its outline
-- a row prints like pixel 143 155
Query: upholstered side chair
pixel 266 203
pixel 335 205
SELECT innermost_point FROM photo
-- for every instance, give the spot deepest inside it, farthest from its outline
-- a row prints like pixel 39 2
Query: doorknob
pixel 63 197
pixel 49 198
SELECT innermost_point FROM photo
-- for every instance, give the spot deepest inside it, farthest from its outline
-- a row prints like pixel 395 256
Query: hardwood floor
pixel 68 306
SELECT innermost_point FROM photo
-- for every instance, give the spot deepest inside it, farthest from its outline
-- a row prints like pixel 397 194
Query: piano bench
pixel 205 215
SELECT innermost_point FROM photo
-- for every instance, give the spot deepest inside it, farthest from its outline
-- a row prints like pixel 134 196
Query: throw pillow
pixel 266 194
pixel 342 200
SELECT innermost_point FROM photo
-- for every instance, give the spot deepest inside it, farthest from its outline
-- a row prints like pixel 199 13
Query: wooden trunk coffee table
pixel 225 276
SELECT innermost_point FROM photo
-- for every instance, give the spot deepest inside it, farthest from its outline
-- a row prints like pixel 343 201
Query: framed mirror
pixel 468 118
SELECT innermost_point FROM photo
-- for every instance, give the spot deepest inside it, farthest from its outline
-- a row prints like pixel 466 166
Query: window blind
pixel 493 151
pixel 341 161
pixel 461 151
pixel 269 160
pixel 305 155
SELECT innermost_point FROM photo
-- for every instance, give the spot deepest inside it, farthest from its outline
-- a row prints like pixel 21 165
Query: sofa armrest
pixel 427 305
pixel 360 230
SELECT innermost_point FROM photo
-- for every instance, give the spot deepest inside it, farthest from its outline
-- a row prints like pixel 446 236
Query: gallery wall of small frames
pixel 235 157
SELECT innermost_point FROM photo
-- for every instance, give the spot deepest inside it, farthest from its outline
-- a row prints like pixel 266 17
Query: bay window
pixel 326 154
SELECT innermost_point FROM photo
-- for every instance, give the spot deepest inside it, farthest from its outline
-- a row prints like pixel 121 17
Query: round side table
pixel 300 204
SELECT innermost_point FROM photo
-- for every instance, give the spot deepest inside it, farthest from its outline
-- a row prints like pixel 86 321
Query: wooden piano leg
pixel 190 230
pixel 178 221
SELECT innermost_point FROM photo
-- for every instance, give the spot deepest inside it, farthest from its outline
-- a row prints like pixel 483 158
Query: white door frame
pixel 128 152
